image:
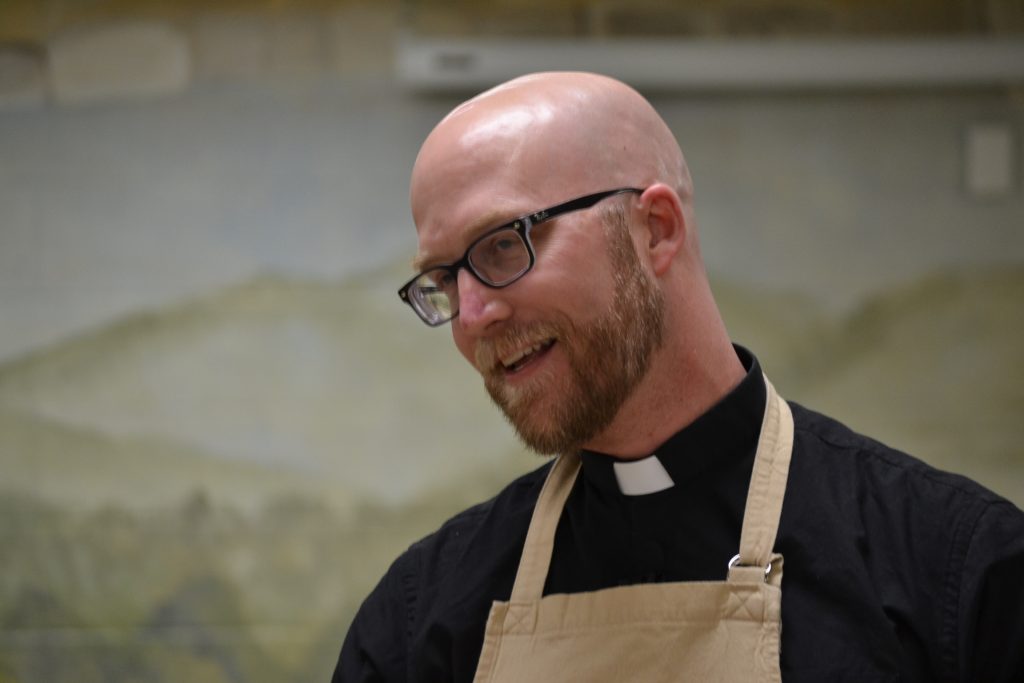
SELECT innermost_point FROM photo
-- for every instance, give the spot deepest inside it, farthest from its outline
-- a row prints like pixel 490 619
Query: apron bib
pixel 683 631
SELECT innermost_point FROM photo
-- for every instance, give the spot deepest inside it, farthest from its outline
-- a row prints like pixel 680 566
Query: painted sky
pixel 120 206
pixel 113 207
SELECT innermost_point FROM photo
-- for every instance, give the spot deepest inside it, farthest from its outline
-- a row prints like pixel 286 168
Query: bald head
pixel 541 138
pixel 598 126
pixel 546 137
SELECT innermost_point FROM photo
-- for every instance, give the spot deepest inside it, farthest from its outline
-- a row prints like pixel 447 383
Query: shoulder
pixel 921 548
pixel 463 562
pixel 892 497
pixel 477 528
pixel 831 449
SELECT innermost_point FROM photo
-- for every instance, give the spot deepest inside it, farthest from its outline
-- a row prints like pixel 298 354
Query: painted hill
pixel 81 468
pixel 332 383
pixel 334 386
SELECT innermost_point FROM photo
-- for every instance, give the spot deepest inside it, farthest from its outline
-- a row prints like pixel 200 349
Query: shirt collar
pixel 729 430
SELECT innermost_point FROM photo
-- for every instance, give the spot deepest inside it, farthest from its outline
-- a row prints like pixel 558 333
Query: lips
pixel 518 359
pixel 515 350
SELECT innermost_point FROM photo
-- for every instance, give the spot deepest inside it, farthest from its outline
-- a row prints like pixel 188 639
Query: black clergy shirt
pixel 894 571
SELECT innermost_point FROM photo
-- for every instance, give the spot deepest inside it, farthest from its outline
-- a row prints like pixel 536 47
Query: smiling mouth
pixel 517 361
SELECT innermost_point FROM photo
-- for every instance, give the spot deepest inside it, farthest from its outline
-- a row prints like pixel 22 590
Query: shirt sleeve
pixel 376 646
pixel 992 598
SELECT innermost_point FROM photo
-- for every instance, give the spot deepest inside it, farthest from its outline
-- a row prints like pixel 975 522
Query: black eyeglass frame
pixel 522 227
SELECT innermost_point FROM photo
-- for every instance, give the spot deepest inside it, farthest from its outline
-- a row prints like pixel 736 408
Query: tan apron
pixel 684 631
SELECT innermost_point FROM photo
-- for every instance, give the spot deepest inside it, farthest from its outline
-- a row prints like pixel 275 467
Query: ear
pixel 665 224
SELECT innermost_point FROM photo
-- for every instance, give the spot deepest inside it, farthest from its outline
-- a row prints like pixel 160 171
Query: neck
pixel 684 381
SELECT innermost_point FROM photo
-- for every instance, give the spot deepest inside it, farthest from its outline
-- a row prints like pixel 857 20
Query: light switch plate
pixel 989 160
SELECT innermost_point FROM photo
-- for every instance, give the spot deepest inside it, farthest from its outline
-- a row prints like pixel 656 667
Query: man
pixel 695 526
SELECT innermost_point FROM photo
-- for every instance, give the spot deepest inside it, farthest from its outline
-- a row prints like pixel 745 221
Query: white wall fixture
pixel 989 160
pixel 758 64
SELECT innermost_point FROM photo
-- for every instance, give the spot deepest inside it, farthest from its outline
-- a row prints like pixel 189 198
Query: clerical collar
pixel 727 432
pixel 640 477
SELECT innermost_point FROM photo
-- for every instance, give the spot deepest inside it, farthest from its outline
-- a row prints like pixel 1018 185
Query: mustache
pixel 489 351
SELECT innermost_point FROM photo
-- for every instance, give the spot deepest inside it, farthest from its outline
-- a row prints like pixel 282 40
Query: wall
pixel 218 424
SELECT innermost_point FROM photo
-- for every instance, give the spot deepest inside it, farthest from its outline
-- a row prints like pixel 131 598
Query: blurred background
pixel 218 424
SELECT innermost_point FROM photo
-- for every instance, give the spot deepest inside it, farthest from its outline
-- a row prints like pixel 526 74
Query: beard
pixel 607 359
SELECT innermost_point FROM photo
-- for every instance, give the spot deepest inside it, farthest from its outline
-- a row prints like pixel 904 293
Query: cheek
pixel 579 286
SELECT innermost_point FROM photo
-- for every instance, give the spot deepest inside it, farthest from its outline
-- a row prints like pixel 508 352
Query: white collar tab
pixel 641 477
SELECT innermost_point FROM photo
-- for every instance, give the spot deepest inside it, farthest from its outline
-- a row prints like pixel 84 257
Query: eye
pixel 444 281
pixel 499 245
pixel 437 282
pixel 505 243
pixel 499 256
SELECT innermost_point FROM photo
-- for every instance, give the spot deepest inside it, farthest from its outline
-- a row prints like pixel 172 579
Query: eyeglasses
pixel 497 258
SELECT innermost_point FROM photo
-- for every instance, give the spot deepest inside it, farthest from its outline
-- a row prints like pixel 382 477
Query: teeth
pixel 510 361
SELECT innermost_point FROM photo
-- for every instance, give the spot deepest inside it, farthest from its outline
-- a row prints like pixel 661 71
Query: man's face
pixel 561 407
pixel 562 348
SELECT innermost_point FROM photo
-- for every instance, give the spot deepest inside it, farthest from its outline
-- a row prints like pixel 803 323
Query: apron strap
pixel 540 538
pixel 765 495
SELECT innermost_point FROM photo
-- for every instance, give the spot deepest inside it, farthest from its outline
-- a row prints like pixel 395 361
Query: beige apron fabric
pixel 685 631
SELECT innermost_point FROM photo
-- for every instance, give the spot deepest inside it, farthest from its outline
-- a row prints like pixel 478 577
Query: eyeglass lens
pixel 498 259
pixel 435 295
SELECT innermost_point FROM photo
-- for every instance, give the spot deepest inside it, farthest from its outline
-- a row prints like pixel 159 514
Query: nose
pixel 480 306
